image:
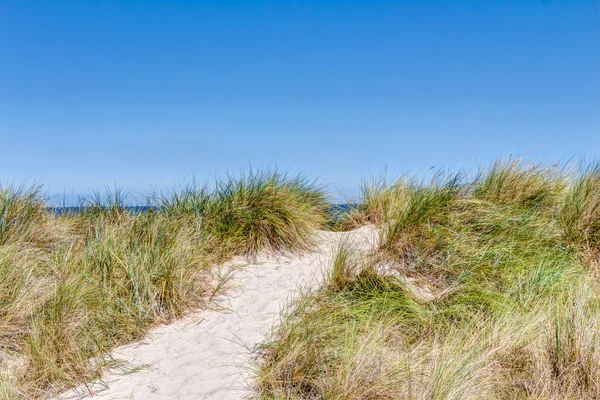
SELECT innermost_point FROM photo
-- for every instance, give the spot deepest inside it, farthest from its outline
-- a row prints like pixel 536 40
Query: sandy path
pixel 207 356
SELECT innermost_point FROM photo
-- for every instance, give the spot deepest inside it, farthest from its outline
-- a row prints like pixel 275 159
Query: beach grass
pixel 75 285
pixel 481 288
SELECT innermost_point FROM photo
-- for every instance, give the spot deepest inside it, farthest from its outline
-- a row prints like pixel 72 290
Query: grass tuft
pixel 520 182
pixel 266 210
pixel 580 211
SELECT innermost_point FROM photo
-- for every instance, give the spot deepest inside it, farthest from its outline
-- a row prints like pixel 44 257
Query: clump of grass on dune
pixel 189 200
pixel 580 212
pixel 267 210
pixel 23 217
pixel 27 236
pixel 74 286
pixel 517 181
pixel 261 210
pixel 20 208
pixel 124 277
pixel 412 215
pixel 108 277
pixel 491 297
pixel 375 196
pixel 409 215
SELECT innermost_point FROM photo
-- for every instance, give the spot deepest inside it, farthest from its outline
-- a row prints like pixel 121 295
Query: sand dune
pixel 208 355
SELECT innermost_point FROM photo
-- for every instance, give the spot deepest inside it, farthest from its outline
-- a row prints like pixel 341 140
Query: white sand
pixel 208 355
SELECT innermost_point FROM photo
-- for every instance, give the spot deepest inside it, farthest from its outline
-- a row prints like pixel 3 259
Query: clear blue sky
pixel 137 93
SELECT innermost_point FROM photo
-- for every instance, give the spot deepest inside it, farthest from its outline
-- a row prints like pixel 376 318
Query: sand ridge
pixel 208 354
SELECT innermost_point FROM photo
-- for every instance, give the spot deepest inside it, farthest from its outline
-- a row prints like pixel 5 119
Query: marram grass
pixel 480 289
pixel 74 286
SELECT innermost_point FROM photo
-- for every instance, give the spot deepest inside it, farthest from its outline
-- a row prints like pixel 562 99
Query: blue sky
pixel 140 93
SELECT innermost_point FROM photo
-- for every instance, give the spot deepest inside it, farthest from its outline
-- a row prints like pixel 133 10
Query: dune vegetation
pixel 74 285
pixel 482 287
